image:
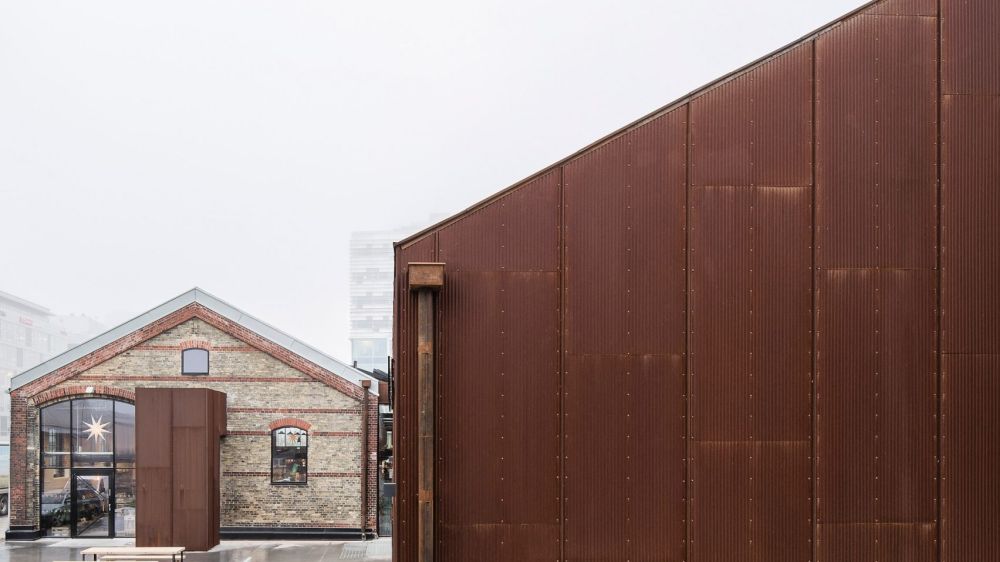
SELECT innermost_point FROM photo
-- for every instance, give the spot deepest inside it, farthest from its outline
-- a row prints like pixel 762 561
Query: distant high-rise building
pixel 30 334
pixel 371 270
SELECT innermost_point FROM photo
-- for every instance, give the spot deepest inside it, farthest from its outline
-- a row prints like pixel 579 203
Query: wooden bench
pixel 123 553
pixel 134 558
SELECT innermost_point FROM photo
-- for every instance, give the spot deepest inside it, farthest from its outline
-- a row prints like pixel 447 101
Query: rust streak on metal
pixel 426 275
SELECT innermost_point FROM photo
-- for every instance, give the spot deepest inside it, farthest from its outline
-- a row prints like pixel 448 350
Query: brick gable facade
pixel 264 384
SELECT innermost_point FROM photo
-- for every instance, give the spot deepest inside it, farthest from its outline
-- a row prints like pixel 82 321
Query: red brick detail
pixel 195 344
pixel 253 433
pixel 337 433
pixel 289 422
pixel 19 475
pixel 81 391
pixel 310 475
pixel 331 525
pixel 296 410
pixel 173 319
pixel 182 346
pixel 189 378
pixel 372 459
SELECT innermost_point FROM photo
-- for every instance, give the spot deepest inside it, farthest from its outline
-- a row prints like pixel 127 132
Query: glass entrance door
pixel 93 503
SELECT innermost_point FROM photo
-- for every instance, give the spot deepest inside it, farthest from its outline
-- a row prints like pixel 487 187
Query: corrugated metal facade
pixel 760 324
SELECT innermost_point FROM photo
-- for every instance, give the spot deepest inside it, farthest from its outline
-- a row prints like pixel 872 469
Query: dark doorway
pixel 87 474
pixel 92 506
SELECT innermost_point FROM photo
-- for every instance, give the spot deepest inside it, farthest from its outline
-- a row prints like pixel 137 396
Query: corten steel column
pixel 425 279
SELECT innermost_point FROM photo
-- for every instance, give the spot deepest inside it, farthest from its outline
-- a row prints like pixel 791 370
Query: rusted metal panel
pixel 875 143
pixel 154 472
pixel 876 383
pixel 876 174
pixel 907 397
pixel 721 509
pixel 970 494
pixel 595 258
pixel 904 8
pixel 847 402
pixel 530 240
pixel 781 501
pixel 598 480
pixel 751 308
pixel 838 542
pixel 621 200
pixel 876 291
pixel 721 314
pixel 405 413
pixel 970 229
pixel 877 542
pixel 907 542
pixel 470 403
pixel 756 129
pixel 970 47
pixel 751 501
pixel 751 358
pixel 499 377
pixel 625 322
pixel 781 324
pixel 656 225
pixel 177 466
pixel 425 275
pixel 654 428
pixel 499 389
pixel 518 232
pixel 531 430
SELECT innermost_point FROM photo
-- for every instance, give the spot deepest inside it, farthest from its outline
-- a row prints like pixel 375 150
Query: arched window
pixel 194 361
pixel 289 455
pixel 87 472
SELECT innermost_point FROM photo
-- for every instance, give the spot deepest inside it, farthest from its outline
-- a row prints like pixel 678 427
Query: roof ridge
pixel 663 110
pixel 203 298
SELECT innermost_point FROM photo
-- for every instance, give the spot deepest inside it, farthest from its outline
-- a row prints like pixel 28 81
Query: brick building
pixel 300 427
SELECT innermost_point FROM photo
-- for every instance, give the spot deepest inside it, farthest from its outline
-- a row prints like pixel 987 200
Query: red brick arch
pixel 196 344
pixel 82 392
pixel 289 422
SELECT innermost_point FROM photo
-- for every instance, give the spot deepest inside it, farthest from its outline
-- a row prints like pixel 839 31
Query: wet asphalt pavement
pixel 49 550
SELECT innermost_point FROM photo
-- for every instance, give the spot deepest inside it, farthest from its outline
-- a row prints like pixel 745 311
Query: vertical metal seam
pixel 687 334
pixel 815 484
pixel 562 364
pixel 438 343
pixel 940 291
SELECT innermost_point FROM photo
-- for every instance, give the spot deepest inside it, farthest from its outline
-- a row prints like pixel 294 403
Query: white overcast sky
pixel 149 147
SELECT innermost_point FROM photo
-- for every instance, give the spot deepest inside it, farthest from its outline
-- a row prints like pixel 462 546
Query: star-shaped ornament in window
pixel 95 429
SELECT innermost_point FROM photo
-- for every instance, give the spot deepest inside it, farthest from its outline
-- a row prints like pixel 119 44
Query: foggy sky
pixel 149 147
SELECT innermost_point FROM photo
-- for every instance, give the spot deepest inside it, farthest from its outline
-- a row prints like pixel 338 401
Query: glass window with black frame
pixel 194 361
pixel 289 455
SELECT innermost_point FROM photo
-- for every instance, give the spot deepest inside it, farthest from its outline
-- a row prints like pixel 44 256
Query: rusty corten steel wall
pixel 177 466
pixel 404 534
pixel 970 276
pixel 751 321
pixel 759 324
pixel 876 286
pixel 624 336
pixel 498 380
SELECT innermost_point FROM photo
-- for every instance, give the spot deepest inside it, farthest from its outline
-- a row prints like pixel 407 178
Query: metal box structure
pixel 760 323
pixel 178 466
